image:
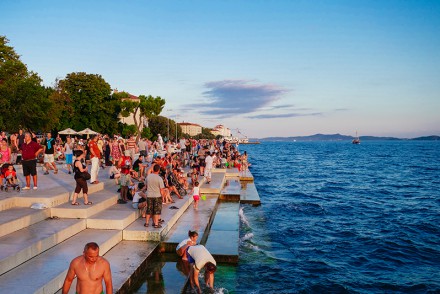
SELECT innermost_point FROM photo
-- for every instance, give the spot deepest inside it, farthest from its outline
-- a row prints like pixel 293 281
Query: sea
pixel 340 218
pixel 334 218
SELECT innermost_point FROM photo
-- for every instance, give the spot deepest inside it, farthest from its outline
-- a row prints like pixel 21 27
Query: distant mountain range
pixel 339 137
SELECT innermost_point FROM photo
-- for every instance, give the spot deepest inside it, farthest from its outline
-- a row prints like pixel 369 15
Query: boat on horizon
pixel 356 140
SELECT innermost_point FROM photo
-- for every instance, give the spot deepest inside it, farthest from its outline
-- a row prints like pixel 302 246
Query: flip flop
pixel 75 203
pixel 157 226
pixel 161 221
pixel 146 225
pixel 88 203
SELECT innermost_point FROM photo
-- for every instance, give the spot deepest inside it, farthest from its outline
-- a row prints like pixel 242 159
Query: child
pixel 11 175
pixel 115 173
pixel 196 195
pixel 139 198
pixel 194 175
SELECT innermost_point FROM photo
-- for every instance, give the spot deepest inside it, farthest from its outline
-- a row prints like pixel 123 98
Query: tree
pixel 158 125
pixel 146 108
pixel 25 102
pixel 86 102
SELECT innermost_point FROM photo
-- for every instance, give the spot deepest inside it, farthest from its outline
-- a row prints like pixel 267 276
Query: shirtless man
pixel 90 269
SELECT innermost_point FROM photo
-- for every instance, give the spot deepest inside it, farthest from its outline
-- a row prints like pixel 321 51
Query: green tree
pixel 25 102
pixel 158 125
pixel 145 108
pixel 86 102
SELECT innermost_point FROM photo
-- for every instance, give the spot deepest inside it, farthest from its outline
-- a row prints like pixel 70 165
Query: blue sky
pixel 268 68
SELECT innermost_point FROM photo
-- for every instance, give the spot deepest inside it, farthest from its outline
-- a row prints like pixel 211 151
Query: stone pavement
pixel 38 244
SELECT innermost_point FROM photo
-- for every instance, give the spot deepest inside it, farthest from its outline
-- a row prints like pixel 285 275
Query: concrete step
pixel 249 194
pixel 216 185
pixel 137 232
pixel 232 189
pixel 101 200
pixel 17 218
pixel 191 219
pixel 128 261
pixel 22 245
pixel 115 217
pixel 224 233
pixel 246 176
pixel 46 272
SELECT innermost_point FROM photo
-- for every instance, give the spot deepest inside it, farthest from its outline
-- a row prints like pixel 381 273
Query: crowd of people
pixel 148 173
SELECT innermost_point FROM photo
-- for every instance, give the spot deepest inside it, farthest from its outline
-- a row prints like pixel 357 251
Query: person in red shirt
pixel 95 157
pixel 30 150
pixel 11 175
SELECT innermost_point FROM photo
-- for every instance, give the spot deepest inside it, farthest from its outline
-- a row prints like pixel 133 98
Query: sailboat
pixel 356 140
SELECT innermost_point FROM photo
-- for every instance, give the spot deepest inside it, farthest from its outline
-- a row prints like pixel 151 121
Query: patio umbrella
pixel 67 131
pixel 87 131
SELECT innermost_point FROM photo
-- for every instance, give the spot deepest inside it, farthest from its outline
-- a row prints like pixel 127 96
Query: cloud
pixel 229 98
pixel 283 115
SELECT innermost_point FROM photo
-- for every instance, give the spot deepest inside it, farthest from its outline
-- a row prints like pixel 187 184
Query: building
pixel 190 128
pixel 221 130
pixel 129 120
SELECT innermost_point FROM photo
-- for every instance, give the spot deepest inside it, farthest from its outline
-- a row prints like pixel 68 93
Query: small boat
pixel 356 140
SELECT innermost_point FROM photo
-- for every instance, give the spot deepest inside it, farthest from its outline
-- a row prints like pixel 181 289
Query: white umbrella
pixel 67 131
pixel 87 131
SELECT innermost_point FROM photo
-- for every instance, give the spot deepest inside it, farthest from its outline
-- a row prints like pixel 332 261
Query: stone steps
pixel 216 185
pixel 224 233
pixel 137 232
pixel 45 273
pixel 232 189
pixel 17 218
pixel 198 220
pixel 101 201
pixel 115 217
pixel 19 246
pixel 249 194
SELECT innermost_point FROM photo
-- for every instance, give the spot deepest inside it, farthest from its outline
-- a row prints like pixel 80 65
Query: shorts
pixel 154 206
pixel 125 179
pixel 69 158
pixel 196 197
pixel 29 167
pixel 49 158
pixel 135 205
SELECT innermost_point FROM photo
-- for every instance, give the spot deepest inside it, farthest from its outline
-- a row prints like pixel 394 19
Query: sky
pixel 265 68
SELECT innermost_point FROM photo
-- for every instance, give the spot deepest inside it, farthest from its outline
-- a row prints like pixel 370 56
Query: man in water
pixel 90 269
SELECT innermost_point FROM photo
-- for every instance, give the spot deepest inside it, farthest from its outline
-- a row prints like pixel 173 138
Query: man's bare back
pixel 90 269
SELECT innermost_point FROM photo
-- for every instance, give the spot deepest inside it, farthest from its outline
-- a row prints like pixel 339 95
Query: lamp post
pixel 168 133
pixel 176 128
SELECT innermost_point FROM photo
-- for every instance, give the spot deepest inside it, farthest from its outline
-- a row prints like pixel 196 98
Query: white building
pixel 190 128
pixel 221 130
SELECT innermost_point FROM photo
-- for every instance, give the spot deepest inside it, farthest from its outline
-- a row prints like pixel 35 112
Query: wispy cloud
pixel 232 97
pixel 283 115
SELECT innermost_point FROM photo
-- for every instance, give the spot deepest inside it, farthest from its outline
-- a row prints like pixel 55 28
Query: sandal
pixel 146 225
pixel 157 226
pixel 75 203
pixel 88 203
pixel 161 221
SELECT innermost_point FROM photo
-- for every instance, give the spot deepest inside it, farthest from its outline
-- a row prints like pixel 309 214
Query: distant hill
pixel 339 137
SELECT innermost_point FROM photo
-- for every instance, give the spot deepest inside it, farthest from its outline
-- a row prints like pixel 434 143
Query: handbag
pixel 86 176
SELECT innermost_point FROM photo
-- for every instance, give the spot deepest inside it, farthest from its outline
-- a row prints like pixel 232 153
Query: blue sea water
pixel 341 218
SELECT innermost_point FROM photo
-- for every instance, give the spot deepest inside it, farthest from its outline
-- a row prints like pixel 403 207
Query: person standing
pixel 90 269
pixel 209 160
pixel 95 157
pixel 30 151
pixel 81 183
pixel 131 147
pixel 68 152
pixel 142 146
pixel 49 150
pixel 155 188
